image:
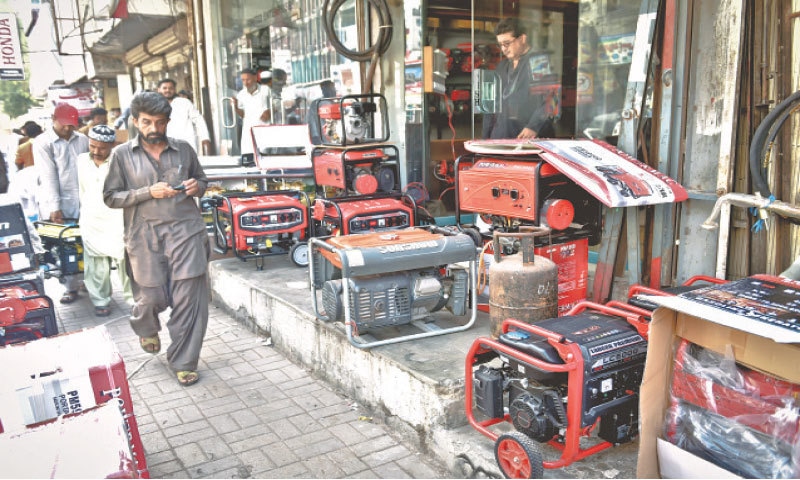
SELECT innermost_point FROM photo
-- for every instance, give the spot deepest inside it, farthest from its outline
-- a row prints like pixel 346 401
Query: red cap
pixel 66 114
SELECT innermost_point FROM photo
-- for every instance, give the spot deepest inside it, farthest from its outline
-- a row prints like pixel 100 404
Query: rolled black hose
pixel 763 133
pixel 329 10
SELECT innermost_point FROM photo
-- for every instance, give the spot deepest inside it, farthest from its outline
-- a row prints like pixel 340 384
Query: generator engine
pixel 613 355
pixel 259 224
pixel 377 280
pixel 398 298
pixel 351 120
pixel 63 245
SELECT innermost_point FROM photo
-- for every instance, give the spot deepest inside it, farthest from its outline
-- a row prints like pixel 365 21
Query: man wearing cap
pixel 185 121
pixel 101 227
pixel 252 103
pixel 55 153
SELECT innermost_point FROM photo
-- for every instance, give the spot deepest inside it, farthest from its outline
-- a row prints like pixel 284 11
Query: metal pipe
pixel 777 207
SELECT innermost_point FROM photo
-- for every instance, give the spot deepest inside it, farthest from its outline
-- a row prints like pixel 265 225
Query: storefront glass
pixel 288 35
pixel 581 55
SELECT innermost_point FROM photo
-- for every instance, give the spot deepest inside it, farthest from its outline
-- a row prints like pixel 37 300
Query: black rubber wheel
pixel 299 254
pixel 518 456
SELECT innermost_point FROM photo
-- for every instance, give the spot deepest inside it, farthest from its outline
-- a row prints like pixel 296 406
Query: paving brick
pixel 284 428
pixel 323 467
pixel 256 460
pixel 390 470
pixel 280 454
pixel 386 455
pixel 191 454
pixel 346 460
pixel 347 434
pixel 223 423
pixel 212 468
pixel 374 444
pixel 305 422
pixel 291 470
pixel 418 467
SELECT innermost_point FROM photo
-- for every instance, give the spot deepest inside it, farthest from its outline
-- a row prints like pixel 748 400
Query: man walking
pixel 55 153
pixel 153 179
pixel 185 122
pixel 101 227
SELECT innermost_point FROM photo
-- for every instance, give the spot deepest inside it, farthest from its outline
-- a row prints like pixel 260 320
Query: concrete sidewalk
pixel 253 414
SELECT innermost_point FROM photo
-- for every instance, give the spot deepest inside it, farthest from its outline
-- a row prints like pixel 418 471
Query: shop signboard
pixel 11 67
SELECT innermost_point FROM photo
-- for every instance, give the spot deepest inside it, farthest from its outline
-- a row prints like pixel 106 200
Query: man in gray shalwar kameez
pixel 165 235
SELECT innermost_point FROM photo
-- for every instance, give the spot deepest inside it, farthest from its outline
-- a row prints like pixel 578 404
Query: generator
pixel 394 278
pixel 26 313
pixel 557 381
pixel 735 417
pixel 63 245
pixel 259 224
pixel 508 192
pixel 358 190
pixel 349 120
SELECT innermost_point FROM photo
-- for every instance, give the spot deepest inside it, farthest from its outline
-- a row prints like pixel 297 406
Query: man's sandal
pixel 187 377
pixel 150 344
pixel 69 297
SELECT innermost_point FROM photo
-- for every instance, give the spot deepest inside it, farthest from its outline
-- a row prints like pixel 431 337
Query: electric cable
pixel 329 10
pixel 764 131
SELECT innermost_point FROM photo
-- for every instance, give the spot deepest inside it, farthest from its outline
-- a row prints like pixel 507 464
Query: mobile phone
pixel 179 187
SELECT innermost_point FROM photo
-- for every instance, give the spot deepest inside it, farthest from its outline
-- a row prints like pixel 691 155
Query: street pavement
pixel 253 414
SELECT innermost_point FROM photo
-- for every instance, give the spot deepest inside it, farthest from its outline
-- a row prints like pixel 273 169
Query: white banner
pixel 11 67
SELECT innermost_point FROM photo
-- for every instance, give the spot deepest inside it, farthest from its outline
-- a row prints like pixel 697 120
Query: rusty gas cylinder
pixel 523 286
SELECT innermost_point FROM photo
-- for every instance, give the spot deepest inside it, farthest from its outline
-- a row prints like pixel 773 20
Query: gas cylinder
pixel 523 286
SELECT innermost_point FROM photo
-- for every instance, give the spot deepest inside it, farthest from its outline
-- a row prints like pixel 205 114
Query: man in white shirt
pixel 252 103
pixel 185 121
pixel 101 227
pixel 55 153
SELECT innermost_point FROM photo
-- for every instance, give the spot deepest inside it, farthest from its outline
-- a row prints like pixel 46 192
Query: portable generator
pixel 740 419
pixel 25 314
pixel 392 279
pixel 358 191
pixel 350 120
pixel 64 246
pixel 556 381
pixel 259 224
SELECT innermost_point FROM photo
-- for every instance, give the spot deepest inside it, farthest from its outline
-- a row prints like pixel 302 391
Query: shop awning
pixel 130 32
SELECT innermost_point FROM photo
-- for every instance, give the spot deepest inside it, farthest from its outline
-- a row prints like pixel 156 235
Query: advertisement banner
pixel 11 67
pixel 79 95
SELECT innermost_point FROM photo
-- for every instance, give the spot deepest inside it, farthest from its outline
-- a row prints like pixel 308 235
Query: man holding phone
pixel 154 178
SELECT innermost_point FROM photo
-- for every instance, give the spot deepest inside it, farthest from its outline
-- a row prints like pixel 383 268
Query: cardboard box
pixel 62 375
pixel 681 318
pixel 93 444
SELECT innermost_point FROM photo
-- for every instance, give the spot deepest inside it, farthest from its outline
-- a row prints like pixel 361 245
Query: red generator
pixel 349 120
pixel 514 191
pixel 259 224
pixel 557 381
pixel 26 313
pixel 358 191
pixel 732 416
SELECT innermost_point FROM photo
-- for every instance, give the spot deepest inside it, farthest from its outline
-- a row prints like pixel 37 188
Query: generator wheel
pixel 518 456
pixel 299 254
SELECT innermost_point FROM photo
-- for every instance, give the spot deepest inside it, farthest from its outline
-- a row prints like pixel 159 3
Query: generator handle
pixel 527 235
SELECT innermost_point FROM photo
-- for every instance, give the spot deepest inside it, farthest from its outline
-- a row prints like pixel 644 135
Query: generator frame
pixel 346 272
pixel 221 238
pixel 345 229
pixel 515 451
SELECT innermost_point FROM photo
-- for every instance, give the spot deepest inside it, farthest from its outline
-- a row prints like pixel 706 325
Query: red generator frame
pixel 358 191
pixel 259 224
pixel 517 454
pixel 26 313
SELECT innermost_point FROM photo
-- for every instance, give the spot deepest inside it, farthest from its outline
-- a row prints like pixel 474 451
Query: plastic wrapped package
pixel 739 419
